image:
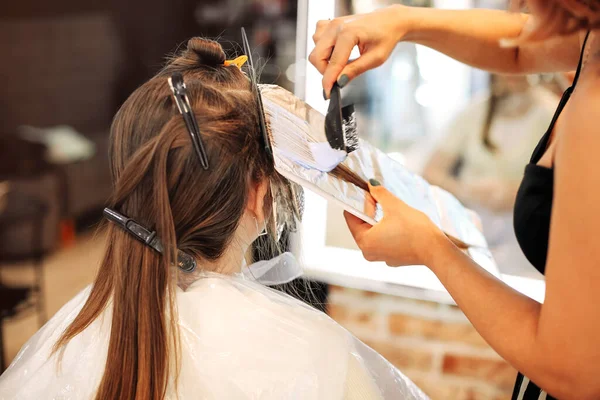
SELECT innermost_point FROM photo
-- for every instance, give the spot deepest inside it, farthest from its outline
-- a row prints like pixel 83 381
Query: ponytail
pixel 136 282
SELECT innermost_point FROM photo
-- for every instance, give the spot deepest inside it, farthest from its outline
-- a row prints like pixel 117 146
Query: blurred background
pixel 70 64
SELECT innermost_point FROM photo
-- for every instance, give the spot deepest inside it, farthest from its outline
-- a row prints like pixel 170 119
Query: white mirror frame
pixel 346 267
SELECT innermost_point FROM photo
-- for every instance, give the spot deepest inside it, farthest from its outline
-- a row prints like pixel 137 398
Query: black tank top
pixel 533 205
pixel 533 208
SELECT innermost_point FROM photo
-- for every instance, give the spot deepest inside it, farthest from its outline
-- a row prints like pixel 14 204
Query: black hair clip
pixel 261 111
pixel 185 262
pixel 183 104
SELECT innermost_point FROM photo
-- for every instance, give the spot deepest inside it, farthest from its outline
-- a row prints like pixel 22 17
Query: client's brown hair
pixel 159 182
pixel 344 173
pixel 559 17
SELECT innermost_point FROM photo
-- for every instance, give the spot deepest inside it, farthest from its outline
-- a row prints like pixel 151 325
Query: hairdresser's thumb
pixel 381 195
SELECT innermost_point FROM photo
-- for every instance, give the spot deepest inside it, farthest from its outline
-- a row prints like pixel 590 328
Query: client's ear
pixel 256 199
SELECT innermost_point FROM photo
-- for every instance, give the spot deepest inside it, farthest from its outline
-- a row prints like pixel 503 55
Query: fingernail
pixel 343 80
pixel 374 182
pixel 324 95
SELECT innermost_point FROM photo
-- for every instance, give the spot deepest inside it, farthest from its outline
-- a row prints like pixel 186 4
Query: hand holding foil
pixel 292 121
pixel 402 237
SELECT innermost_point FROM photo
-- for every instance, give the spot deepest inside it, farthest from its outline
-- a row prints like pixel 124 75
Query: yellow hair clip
pixel 238 62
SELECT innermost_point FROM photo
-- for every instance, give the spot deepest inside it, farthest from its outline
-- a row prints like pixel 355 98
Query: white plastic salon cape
pixel 239 340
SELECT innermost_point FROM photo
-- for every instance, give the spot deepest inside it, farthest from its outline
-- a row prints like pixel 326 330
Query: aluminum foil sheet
pixel 287 115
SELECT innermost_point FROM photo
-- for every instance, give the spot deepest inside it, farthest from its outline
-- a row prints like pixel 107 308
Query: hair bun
pixel 205 52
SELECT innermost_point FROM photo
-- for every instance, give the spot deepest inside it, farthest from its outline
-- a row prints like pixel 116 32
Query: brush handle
pixel 334 123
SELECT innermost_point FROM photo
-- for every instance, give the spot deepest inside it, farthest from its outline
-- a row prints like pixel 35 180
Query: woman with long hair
pixel 553 344
pixel 169 314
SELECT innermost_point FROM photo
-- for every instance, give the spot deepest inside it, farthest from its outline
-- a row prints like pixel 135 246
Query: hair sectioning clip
pixel 261 111
pixel 185 262
pixel 183 104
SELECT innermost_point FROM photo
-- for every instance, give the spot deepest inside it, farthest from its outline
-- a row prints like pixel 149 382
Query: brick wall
pixel 433 344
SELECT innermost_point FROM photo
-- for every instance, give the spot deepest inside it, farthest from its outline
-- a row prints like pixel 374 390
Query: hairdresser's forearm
pixel 472 37
pixel 505 318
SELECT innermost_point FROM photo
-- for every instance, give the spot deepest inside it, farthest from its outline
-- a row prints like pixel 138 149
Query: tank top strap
pixel 580 64
pixel 543 144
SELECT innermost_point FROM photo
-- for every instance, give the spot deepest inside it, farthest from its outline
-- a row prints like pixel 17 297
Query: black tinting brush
pixel 340 123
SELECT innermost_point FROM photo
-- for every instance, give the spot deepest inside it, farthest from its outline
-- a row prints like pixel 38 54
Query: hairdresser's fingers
pixel 361 232
pixel 319 57
pixel 346 40
pixel 384 197
pixel 369 60
pixel 321 54
pixel 321 27
pixel 358 227
pixel 370 206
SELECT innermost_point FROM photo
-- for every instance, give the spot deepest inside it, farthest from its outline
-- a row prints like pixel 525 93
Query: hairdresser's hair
pixel 559 17
pixel 159 182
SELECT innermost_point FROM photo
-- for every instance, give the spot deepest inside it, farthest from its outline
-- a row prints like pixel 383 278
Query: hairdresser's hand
pixel 405 236
pixel 376 34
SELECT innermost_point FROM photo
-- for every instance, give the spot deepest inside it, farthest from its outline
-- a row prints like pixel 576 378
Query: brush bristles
pixel 349 128
pixel 351 133
pixel 291 138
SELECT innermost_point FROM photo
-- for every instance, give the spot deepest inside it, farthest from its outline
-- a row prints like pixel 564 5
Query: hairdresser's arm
pixel 470 36
pixel 554 344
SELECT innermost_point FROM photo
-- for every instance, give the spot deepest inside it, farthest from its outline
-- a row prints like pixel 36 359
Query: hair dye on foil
pixel 293 121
